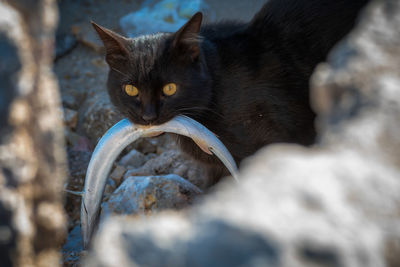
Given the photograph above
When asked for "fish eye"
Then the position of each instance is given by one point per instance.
(169, 89)
(131, 90)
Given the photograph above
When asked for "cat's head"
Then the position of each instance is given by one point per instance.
(153, 78)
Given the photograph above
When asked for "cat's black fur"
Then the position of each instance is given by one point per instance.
(246, 82)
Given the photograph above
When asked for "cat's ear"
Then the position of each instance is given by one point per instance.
(116, 45)
(187, 39)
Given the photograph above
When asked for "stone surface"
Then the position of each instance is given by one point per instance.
(147, 194)
(335, 204)
(175, 162)
(78, 142)
(117, 174)
(32, 158)
(133, 159)
(73, 247)
(99, 116)
(9, 66)
(72, 99)
(110, 187)
(146, 145)
(70, 118)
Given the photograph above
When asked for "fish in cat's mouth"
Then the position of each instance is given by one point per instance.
(151, 122)
(119, 137)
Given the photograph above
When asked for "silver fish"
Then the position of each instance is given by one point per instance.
(120, 136)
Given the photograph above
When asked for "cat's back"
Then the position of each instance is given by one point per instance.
(221, 30)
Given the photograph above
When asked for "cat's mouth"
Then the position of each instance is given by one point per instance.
(140, 121)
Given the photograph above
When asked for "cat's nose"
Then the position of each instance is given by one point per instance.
(149, 117)
(149, 114)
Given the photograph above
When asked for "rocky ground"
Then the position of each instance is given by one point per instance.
(88, 113)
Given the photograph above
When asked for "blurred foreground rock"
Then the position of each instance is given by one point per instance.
(336, 204)
(32, 159)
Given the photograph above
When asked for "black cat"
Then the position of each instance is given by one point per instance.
(246, 82)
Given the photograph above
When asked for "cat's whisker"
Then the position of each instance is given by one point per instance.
(193, 109)
(120, 72)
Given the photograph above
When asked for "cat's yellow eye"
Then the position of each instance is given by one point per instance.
(131, 90)
(169, 89)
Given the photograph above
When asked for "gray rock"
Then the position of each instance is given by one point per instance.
(154, 145)
(73, 247)
(70, 118)
(133, 159)
(148, 194)
(77, 142)
(117, 174)
(146, 145)
(335, 204)
(72, 99)
(111, 185)
(172, 161)
(99, 115)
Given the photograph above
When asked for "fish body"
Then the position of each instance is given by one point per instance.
(119, 137)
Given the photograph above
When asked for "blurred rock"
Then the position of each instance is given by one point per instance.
(336, 204)
(162, 16)
(133, 159)
(70, 118)
(85, 34)
(9, 66)
(172, 162)
(148, 194)
(32, 156)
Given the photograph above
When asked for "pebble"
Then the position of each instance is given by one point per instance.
(70, 118)
(133, 159)
(73, 99)
(117, 174)
(78, 142)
